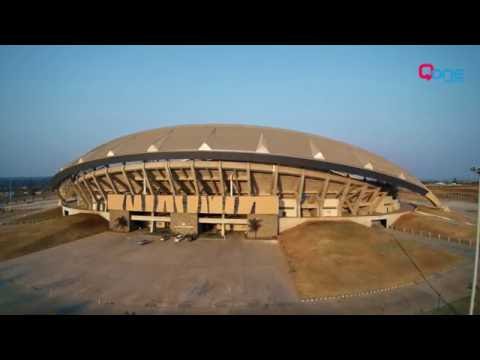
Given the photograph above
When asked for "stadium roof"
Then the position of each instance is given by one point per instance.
(244, 143)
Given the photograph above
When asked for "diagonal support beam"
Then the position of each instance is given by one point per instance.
(373, 198)
(220, 175)
(345, 191)
(356, 205)
(90, 191)
(377, 201)
(99, 187)
(321, 201)
(110, 181)
(159, 183)
(79, 190)
(194, 176)
(127, 180)
(170, 178)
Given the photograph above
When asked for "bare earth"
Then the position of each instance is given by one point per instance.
(336, 258)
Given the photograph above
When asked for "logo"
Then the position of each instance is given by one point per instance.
(430, 72)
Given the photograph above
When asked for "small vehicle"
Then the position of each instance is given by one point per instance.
(189, 237)
(164, 237)
(143, 242)
(179, 237)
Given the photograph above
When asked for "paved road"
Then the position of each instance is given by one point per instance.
(110, 273)
(112, 269)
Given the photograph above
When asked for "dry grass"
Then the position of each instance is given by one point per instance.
(335, 258)
(436, 226)
(21, 239)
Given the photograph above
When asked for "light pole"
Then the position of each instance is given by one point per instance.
(476, 170)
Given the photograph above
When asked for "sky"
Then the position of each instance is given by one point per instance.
(58, 102)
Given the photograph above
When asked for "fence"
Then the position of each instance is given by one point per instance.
(473, 197)
(430, 235)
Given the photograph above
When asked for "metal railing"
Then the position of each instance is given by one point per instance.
(430, 235)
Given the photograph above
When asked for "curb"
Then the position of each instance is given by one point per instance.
(359, 294)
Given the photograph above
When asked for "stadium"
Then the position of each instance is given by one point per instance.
(194, 178)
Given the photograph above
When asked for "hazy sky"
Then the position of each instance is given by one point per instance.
(58, 102)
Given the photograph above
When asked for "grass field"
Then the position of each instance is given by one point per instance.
(336, 258)
(21, 239)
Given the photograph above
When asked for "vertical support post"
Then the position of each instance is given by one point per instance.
(274, 179)
(475, 267)
(301, 185)
(220, 175)
(321, 202)
(249, 179)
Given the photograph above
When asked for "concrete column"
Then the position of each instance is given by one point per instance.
(120, 221)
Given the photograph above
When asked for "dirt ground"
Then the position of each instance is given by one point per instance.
(24, 238)
(336, 258)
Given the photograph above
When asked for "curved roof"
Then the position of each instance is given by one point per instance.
(246, 143)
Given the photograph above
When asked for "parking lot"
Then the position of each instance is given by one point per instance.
(112, 273)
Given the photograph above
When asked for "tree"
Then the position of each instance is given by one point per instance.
(121, 222)
(253, 225)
